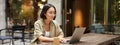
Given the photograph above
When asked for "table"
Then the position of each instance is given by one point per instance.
(98, 39)
(92, 39)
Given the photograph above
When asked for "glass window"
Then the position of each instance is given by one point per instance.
(99, 11)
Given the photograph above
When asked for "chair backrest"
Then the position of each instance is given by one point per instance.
(110, 28)
(18, 28)
(92, 29)
(14, 28)
(2, 32)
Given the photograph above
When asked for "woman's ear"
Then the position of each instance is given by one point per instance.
(44, 14)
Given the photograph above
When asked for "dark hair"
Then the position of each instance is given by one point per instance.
(44, 10)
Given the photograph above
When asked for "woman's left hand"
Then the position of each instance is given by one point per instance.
(62, 40)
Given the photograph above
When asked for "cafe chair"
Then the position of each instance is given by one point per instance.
(31, 32)
(2, 38)
(21, 30)
(92, 29)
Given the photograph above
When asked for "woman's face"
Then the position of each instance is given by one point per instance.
(50, 14)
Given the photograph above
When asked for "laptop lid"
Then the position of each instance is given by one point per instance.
(77, 35)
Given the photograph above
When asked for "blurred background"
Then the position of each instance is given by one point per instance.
(103, 15)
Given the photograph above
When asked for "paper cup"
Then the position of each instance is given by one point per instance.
(56, 41)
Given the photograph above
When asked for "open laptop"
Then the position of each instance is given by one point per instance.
(76, 36)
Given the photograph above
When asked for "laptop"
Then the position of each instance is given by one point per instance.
(76, 36)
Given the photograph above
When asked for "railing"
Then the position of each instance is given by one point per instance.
(111, 29)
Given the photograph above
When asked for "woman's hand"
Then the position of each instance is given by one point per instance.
(62, 40)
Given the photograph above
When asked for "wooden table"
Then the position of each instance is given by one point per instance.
(98, 39)
(93, 39)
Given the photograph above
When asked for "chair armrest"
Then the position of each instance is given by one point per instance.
(2, 29)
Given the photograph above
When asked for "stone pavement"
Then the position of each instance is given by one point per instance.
(17, 42)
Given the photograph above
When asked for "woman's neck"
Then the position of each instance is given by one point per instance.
(47, 22)
(47, 25)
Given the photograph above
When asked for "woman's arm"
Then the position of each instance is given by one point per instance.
(61, 36)
(62, 39)
(45, 39)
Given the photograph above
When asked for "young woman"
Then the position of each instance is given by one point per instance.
(46, 28)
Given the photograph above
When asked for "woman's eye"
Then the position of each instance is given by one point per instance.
(51, 12)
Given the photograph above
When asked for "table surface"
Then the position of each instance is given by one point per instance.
(92, 39)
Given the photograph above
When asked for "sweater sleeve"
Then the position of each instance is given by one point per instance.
(38, 31)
